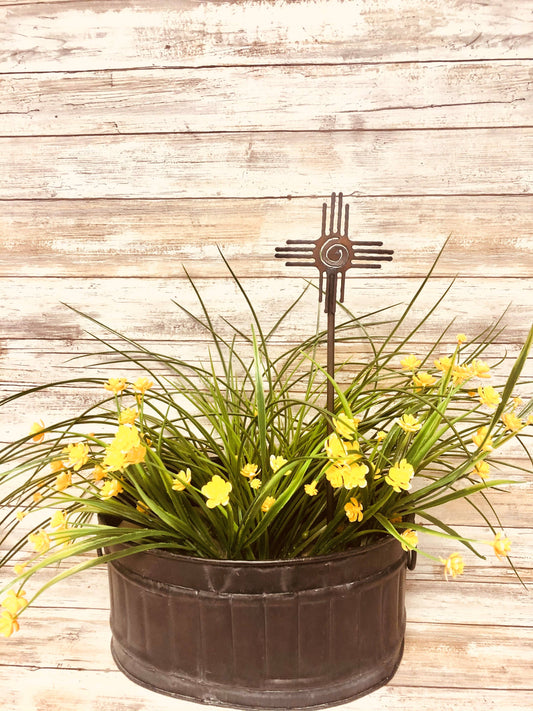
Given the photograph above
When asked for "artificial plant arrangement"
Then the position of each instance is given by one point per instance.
(232, 458)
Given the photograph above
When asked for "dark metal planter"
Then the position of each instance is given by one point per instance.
(285, 634)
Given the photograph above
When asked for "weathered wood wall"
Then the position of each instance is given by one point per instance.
(138, 135)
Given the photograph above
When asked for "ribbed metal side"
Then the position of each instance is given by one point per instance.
(315, 646)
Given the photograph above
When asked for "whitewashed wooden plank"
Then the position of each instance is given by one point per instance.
(330, 97)
(490, 236)
(448, 162)
(144, 309)
(157, 33)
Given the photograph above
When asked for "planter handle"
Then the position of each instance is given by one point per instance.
(411, 559)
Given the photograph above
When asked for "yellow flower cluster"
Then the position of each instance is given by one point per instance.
(344, 468)
(124, 449)
(12, 605)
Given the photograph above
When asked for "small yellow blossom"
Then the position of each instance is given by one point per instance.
(346, 426)
(249, 470)
(99, 473)
(334, 475)
(114, 460)
(517, 402)
(453, 565)
(267, 503)
(354, 475)
(58, 520)
(444, 363)
(478, 438)
(396, 519)
(37, 431)
(8, 624)
(125, 438)
(142, 384)
(529, 420)
(127, 416)
(381, 435)
(115, 385)
(409, 423)
(310, 489)
(181, 481)
(410, 539)
(354, 510)
(136, 455)
(37, 497)
(482, 469)
(277, 462)
(216, 492)
(78, 455)
(142, 507)
(461, 338)
(18, 568)
(512, 422)
(335, 447)
(40, 541)
(480, 369)
(410, 362)
(423, 380)
(21, 514)
(63, 481)
(111, 488)
(501, 545)
(400, 475)
(14, 602)
(56, 466)
(488, 396)
(255, 483)
(461, 373)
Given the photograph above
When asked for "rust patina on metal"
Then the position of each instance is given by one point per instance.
(333, 254)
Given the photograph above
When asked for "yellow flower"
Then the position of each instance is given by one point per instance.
(267, 503)
(249, 470)
(310, 489)
(181, 481)
(423, 380)
(8, 624)
(482, 469)
(346, 426)
(512, 422)
(410, 539)
(21, 514)
(115, 385)
(354, 510)
(58, 520)
(99, 473)
(63, 481)
(14, 602)
(529, 420)
(114, 460)
(480, 369)
(18, 568)
(488, 396)
(142, 507)
(400, 475)
(125, 439)
(517, 402)
(127, 416)
(410, 362)
(56, 466)
(277, 462)
(443, 364)
(111, 488)
(409, 423)
(501, 545)
(461, 373)
(142, 384)
(335, 447)
(40, 541)
(37, 497)
(255, 483)
(136, 455)
(354, 475)
(334, 475)
(37, 431)
(478, 438)
(216, 492)
(381, 435)
(461, 338)
(453, 565)
(78, 455)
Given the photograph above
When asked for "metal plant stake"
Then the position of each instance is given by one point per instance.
(333, 253)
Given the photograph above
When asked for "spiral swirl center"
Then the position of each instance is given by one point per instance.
(334, 254)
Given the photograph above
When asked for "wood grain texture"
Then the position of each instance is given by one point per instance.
(489, 236)
(161, 33)
(487, 161)
(316, 97)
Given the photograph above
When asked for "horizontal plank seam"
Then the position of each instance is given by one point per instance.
(255, 65)
(356, 194)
